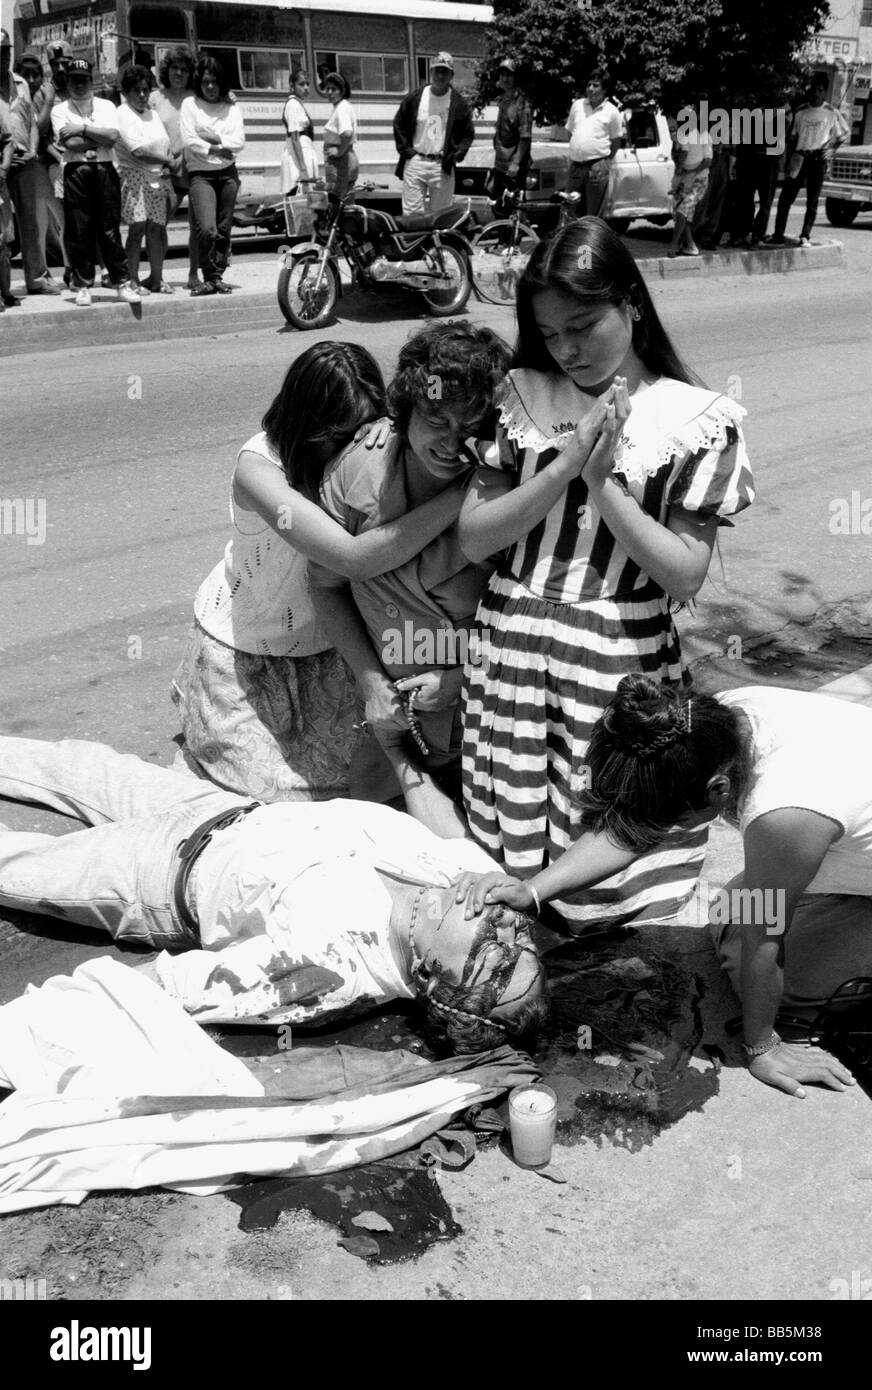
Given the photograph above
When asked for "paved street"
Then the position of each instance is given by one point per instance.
(126, 454)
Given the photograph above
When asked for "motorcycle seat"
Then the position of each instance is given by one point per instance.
(425, 221)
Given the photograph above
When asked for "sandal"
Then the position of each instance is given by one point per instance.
(208, 288)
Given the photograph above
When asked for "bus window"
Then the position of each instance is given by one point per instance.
(268, 69)
(158, 22)
(366, 72)
(256, 26)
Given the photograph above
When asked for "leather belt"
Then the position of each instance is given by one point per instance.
(429, 156)
(188, 852)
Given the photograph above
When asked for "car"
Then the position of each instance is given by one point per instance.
(847, 188)
(641, 178)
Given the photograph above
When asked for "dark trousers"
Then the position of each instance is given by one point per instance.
(212, 196)
(756, 177)
(24, 185)
(591, 180)
(92, 212)
(811, 174)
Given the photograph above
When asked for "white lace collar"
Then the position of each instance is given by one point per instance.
(539, 411)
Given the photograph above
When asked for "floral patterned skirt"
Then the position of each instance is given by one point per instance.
(144, 198)
(278, 728)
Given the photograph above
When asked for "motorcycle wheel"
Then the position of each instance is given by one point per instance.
(500, 254)
(301, 303)
(451, 261)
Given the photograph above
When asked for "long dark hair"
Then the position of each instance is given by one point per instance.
(588, 261)
(651, 755)
(327, 394)
(213, 66)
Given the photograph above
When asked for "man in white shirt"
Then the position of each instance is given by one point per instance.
(433, 130)
(596, 131)
(295, 911)
(818, 129)
(85, 129)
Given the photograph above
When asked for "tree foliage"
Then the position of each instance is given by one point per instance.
(663, 52)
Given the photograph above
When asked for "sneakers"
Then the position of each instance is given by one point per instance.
(127, 294)
(776, 239)
(83, 297)
(45, 285)
(805, 241)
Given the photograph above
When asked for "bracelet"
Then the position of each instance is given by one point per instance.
(762, 1048)
(536, 900)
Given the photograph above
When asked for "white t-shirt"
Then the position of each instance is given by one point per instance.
(813, 752)
(813, 126)
(697, 148)
(146, 132)
(167, 103)
(293, 915)
(341, 121)
(591, 132)
(430, 122)
(95, 111)
(199, 118)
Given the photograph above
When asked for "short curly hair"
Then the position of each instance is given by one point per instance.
(452, 361)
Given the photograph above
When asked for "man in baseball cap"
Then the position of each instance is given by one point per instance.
(433, 130)
(513, 133)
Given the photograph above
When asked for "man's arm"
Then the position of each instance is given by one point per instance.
(462, 136)
(343, 625)
(784, 850)
(402, 141)
(424, 800)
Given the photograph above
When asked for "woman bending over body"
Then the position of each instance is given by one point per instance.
(268, 708)
(793, 770)
(596, 543)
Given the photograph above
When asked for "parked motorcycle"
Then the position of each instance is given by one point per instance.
(428, 255)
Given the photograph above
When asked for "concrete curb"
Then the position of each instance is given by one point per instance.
(768, 260)
(108, 323)
(48, 326)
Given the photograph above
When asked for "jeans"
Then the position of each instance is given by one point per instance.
(212, 196)
(119, 875)
(812, 175)
(92, 212)
(591, 180)
(26, 184)
(426, 186)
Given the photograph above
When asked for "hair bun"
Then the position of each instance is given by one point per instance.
(644, 717)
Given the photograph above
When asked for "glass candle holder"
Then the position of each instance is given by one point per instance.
(532, 1124)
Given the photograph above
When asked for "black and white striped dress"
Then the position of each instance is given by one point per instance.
(568, 613)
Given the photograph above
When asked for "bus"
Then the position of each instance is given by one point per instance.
(382, 49)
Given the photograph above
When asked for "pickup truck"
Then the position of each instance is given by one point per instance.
(848, 184)
(641, 172)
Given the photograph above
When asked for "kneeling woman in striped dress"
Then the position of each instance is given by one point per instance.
(609, 475)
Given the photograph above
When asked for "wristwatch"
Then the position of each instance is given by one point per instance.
(762, 1048)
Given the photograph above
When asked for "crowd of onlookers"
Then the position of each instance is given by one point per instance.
(76, 165)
